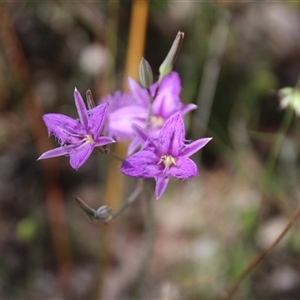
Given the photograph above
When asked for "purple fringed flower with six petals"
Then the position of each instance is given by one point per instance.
(134, 106)
(78, 138)
(165, 156)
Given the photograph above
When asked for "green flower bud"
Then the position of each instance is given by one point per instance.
(167, 65)
(146, 75)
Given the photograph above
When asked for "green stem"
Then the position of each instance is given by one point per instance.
(105, 213)
(131, 198)
(106, 150)
(271, 160)
(116, 156)
(149, 114)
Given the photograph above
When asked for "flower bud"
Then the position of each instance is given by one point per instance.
(90, 100)
(146, 75)
(104, 213)
(167, 65)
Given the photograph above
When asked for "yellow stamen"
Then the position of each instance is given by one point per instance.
(157, 121)
(88, 139)
(168, 161)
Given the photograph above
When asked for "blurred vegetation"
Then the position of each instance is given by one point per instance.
(206, 231)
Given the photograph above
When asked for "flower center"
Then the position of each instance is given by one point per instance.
(157, 121)
(167, 161)
(88, 139)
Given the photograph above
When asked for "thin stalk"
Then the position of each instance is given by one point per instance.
(105, 213)
(211, 73)
(114, 155)
(254, 263)
(105, 150)
(149, 113)
(151, 99)
(270, 162)
(131, 198)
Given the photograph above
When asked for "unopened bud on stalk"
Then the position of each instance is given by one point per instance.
(167, 65)
(90, 100)
(104, 213)
(146, 75)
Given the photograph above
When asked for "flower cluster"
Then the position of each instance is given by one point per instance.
(149, 116)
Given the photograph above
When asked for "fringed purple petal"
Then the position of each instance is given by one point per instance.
(142, 139)
(143, 164)
(165, 105)
(171, 136)
(97, 118)
(167, 101)
(140, 132)
(172, 83)
(80, 155)
(187, 108)
(133, 146)
(64, 150)
(185, 168)
(140, 93)
(81, 109)
(193, 147)
(119, 122)
(161, 185)
(66, 129)
(104, 140)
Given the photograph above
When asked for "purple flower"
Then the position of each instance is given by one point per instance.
(165, 156)
(123, 108)
(78, 138)
(166, 103)
(134, 106)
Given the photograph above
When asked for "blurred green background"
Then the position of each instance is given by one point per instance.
(234, 58)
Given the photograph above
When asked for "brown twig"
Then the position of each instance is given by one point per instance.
(254, 263)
